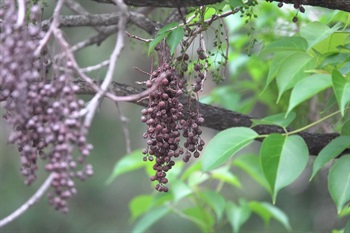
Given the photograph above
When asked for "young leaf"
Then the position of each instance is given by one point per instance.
(203, 219)
(224, 174)
(315, 32)
(161, 34)
(175, 38)
(251, 165)
(150, 218)
(308, 87)
(277, 119)
(329, 152)
(339, 181)
(237, 215)
(224, 145)
(215, 201)
(292, 71)
(282, 158)
(341, 89)
(139, 205)
(266, 211)
(295, 43)
(126, 164)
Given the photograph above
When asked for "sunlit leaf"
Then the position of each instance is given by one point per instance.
(329, 152)
(292, 71)
(224, 174)
(150, 218)
(224, 145)
(315, 32)
(339, 181)
(126, 164)
(174, 38)
(283, 158)
(294, 43)
(308, 87)
(139, 205)
(237, 215)
(341, 89)
(277, 119)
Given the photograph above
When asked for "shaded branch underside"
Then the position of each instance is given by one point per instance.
(343, 5)
(221, 119)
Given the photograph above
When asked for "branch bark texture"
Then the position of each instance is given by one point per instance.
(343, 5)
(220, 119)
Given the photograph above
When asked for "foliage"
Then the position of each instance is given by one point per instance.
(285, 71)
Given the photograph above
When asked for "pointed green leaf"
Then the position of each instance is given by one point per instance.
(277, 119)
(215, 201)
(292, 71)
(282, 158)
(224, 174)
(167, 28)
(236, 3)
(139, 205)
(203, 219)
(175, 38)
(179, 189)
(224, 145)
(315, 32)
(126, 164)
(275, 65)
(161, 34)
(150, 218)
(294, 43)
(307, 88)
(341, 89)
(267, 211)
(250, 164)
(345, 129)
(329, 152)
(237, 215)
(339, 181)
(197, 178)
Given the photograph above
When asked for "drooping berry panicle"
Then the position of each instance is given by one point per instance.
(166, 119)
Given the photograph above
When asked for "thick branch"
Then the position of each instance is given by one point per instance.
(343, 5)
(220, 119)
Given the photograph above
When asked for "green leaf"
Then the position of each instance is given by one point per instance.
(277, 119)
(315, 32)
(201, 218)
(139, 205)
(250, 164)
(339, 181)
(341, 89)
(267, 211)
(215, 201)
(150, 218)
(329, 152)
(179, 189)
(237, 215)
(175, 38)
(347, 227)
(224, 174)
(197, 178)
(283, 158)
(345, 129)
(224, 145)
(278, 59)
(161, 34)
(236, 3)
(126, 164)
(292, 71)
(294, 43)
(308, 87)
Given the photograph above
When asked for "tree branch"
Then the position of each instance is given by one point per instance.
(343, 5)
(221, 119)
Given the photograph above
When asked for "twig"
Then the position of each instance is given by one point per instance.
(39, 193)
(95, 67)
(21, 12)
(93, 104)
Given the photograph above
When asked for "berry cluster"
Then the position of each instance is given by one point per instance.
(43, 112)
(297, 5)
(165, 119)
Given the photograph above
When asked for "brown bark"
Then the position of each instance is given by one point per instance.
(221, 119)
(343, 5)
